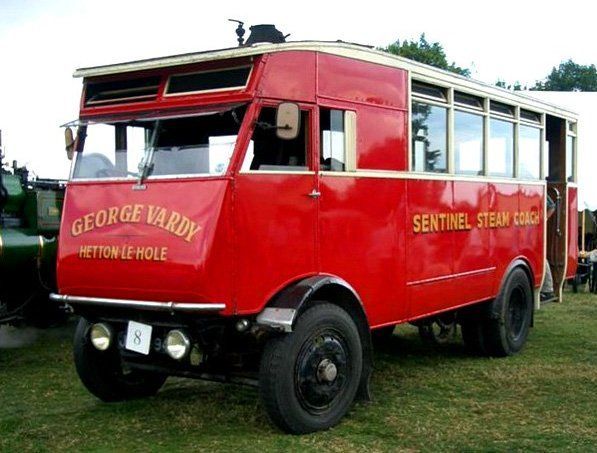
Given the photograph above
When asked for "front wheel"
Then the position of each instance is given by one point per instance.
(103, 374)
(309, 378)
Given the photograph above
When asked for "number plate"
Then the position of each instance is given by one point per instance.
(138, 337)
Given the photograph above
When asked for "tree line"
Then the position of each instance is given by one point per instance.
(568, 76)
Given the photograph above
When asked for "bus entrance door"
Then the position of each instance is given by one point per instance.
(561, 238)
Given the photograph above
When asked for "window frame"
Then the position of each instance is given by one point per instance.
(571, 133)
(311, 139)
(487, 113)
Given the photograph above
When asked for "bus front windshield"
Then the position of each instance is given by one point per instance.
(199, 144)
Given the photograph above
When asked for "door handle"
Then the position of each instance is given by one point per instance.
(314, 194)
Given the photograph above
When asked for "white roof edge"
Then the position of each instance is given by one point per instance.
(359, 52)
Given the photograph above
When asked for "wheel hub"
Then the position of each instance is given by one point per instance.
(321, 371)
(327, 371)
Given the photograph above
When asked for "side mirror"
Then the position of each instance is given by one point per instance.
(69, 143)
(288, 121)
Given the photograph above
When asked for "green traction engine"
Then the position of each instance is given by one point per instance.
(29, 223)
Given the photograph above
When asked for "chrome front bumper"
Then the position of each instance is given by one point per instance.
(169, 307)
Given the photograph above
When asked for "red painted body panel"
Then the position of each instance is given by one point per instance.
(275, 225)
(361, 240)
(261, 232)
(572, 232)
(359, 82)
(289, 76)
(199, 270)
(453, 268)
(530, 239)
(381, 139)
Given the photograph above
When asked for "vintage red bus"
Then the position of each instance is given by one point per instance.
(259, 214)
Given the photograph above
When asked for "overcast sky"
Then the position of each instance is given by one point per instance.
(43, 41)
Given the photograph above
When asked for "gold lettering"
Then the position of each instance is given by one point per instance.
(114, 253)
(416, 223)
(173, 221)
(163, 252)
(101, 218)
(76, 228)
(151, 214)
(433, 226)
(425, 223)
(88, 222)
(136, 217)
(148, 253)
(125, 213)
(442, 221)
(139, 254)
(193, 229)
(112, 215)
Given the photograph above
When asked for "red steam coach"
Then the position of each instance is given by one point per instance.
(258, 214)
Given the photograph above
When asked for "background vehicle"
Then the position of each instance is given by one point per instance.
(29, 221)
(253, 214)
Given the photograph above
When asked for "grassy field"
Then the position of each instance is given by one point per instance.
(426, 399)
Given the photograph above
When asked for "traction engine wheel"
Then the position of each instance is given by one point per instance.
(309, 378)
(102, 373)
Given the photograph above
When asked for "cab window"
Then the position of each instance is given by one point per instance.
(331, 125)
(267, 152)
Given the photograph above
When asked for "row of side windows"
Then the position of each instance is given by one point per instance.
(430, 137)
(430, 144)
(483, 143)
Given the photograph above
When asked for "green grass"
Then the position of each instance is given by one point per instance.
(426, 399)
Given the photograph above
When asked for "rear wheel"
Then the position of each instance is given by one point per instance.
(103, 374)
(508, 318)
(309, 378)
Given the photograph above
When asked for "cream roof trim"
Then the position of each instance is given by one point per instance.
(417, 70)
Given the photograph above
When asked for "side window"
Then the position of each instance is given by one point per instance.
(468, 143)
(333, 153)
(429, 137)
(266, 152)
(570, 157)
(529, 152)
(501, 148)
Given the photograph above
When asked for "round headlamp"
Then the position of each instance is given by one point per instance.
(100, 336)
(177, 345)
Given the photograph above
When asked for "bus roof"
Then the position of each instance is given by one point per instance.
(418, 70)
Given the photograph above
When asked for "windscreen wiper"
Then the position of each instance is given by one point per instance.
(146, 164)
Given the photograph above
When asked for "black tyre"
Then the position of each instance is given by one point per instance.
(309, 378)
(508, 317)
(102, 372)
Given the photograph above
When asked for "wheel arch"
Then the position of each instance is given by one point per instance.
(282, 311)
(524, 264)
(517, 263)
